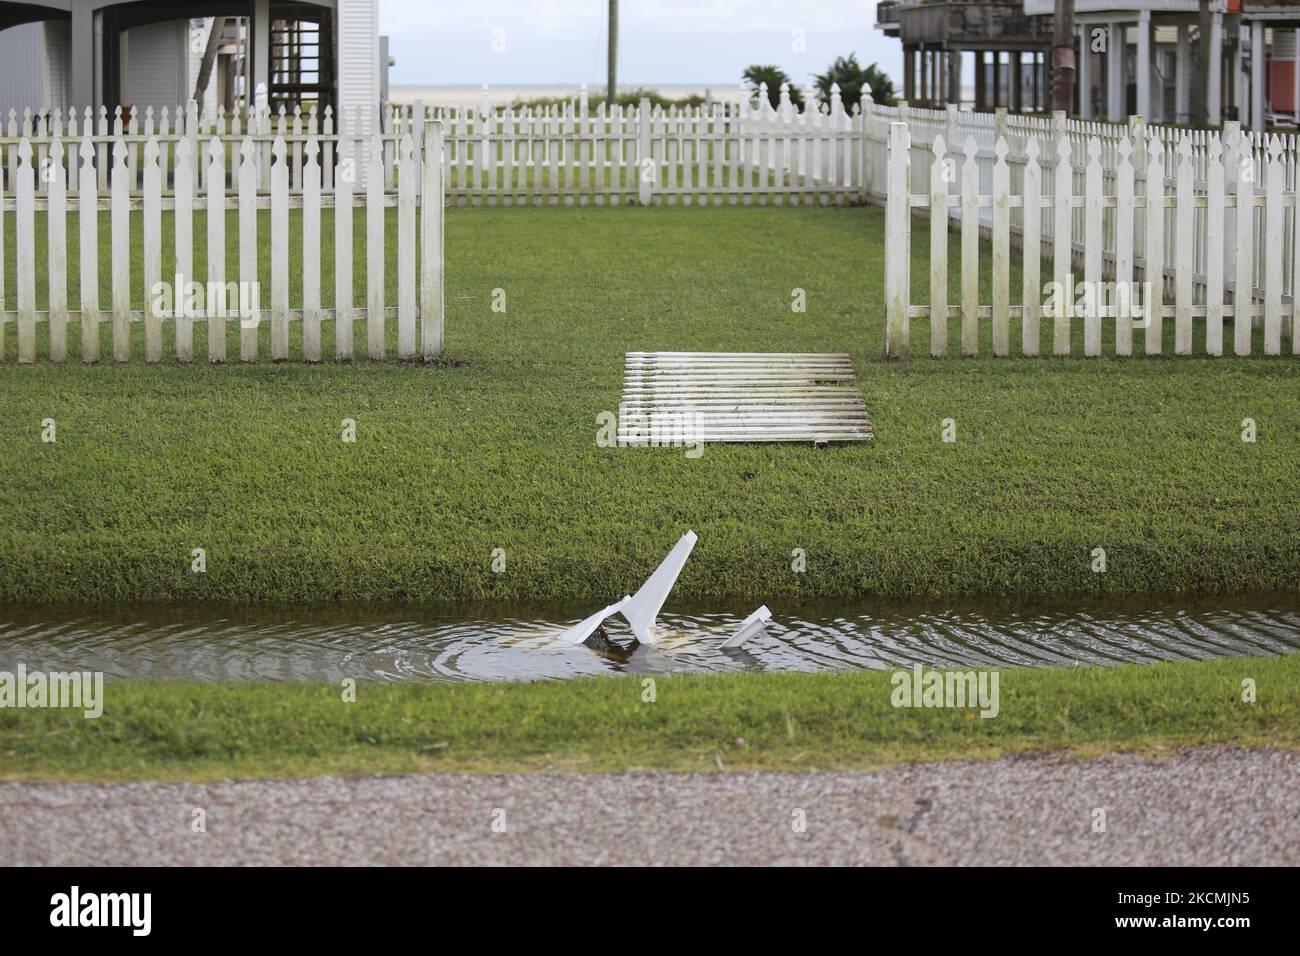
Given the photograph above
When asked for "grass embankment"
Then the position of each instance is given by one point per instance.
(496, 448)
(786, 721)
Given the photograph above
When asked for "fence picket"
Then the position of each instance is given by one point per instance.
(1272, 249)
(1124, 300)
(1031, 299)
(375, 251)
(1092, 250)
(1153, 251)
(216, 222)
(343, 294)
(280, 247)
(898, 248)
(250, 318)
(311, 193)
(1184, 237)
(1001, 258)
(120, 252)
(184, 194)
(25, 238)
(88, 250)
(939, 177)
(431, 223)
(57, 238)
(152, 178)
(1063, 301)
(1242, 295)
(970, 224)
(406, 289)
(1214, 248)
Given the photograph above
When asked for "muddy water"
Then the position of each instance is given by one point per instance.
(498, 642)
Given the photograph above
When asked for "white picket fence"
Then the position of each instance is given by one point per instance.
(130, 179)
(955, 127)
(169, 127)
(724, 153)
(1200, 259)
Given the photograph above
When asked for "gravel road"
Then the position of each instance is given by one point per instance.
(1212, 806)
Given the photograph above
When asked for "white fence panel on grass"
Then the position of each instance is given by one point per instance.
(1154, 234)
(45, 181)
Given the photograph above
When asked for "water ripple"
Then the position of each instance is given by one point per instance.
(496, 644)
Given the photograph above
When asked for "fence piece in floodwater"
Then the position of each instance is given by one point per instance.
(586, 627)
(749, 627)
(641, 609)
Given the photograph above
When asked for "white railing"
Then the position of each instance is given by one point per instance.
(1240, 220)
(64, 175)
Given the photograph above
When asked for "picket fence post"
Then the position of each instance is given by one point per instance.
(646, 171)
(898, 241)
(431, 254)
(25, 234)
(152, 180)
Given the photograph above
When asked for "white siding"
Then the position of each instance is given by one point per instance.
(155, 72)
(22, 67)
(58, 63)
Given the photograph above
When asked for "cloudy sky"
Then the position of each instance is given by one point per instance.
(660, 41)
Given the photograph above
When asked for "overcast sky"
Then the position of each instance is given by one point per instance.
(660, 41)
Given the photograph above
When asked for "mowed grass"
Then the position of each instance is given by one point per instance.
(755, 721)
(495, 447)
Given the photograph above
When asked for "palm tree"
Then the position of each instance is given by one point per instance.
(773, 76)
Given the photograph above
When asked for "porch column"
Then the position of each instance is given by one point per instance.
(1182, 75)
(909, 73)
(1240, 92)
(954, 77)
(1017, 83)
(997, 79)
(1085, 76)
(261, 47)
(979, 80)
(1035, 72)
(1257, 75)
(1144, 64)
(1115, 48)
(1214, 92)
(83, 58)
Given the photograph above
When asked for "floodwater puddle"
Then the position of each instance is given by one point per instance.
(512, 642)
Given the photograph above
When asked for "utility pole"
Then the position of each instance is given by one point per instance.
(1063, 65)
(611, 83)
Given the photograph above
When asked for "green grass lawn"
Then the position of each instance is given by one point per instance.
(495, 447)
(755, 721)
